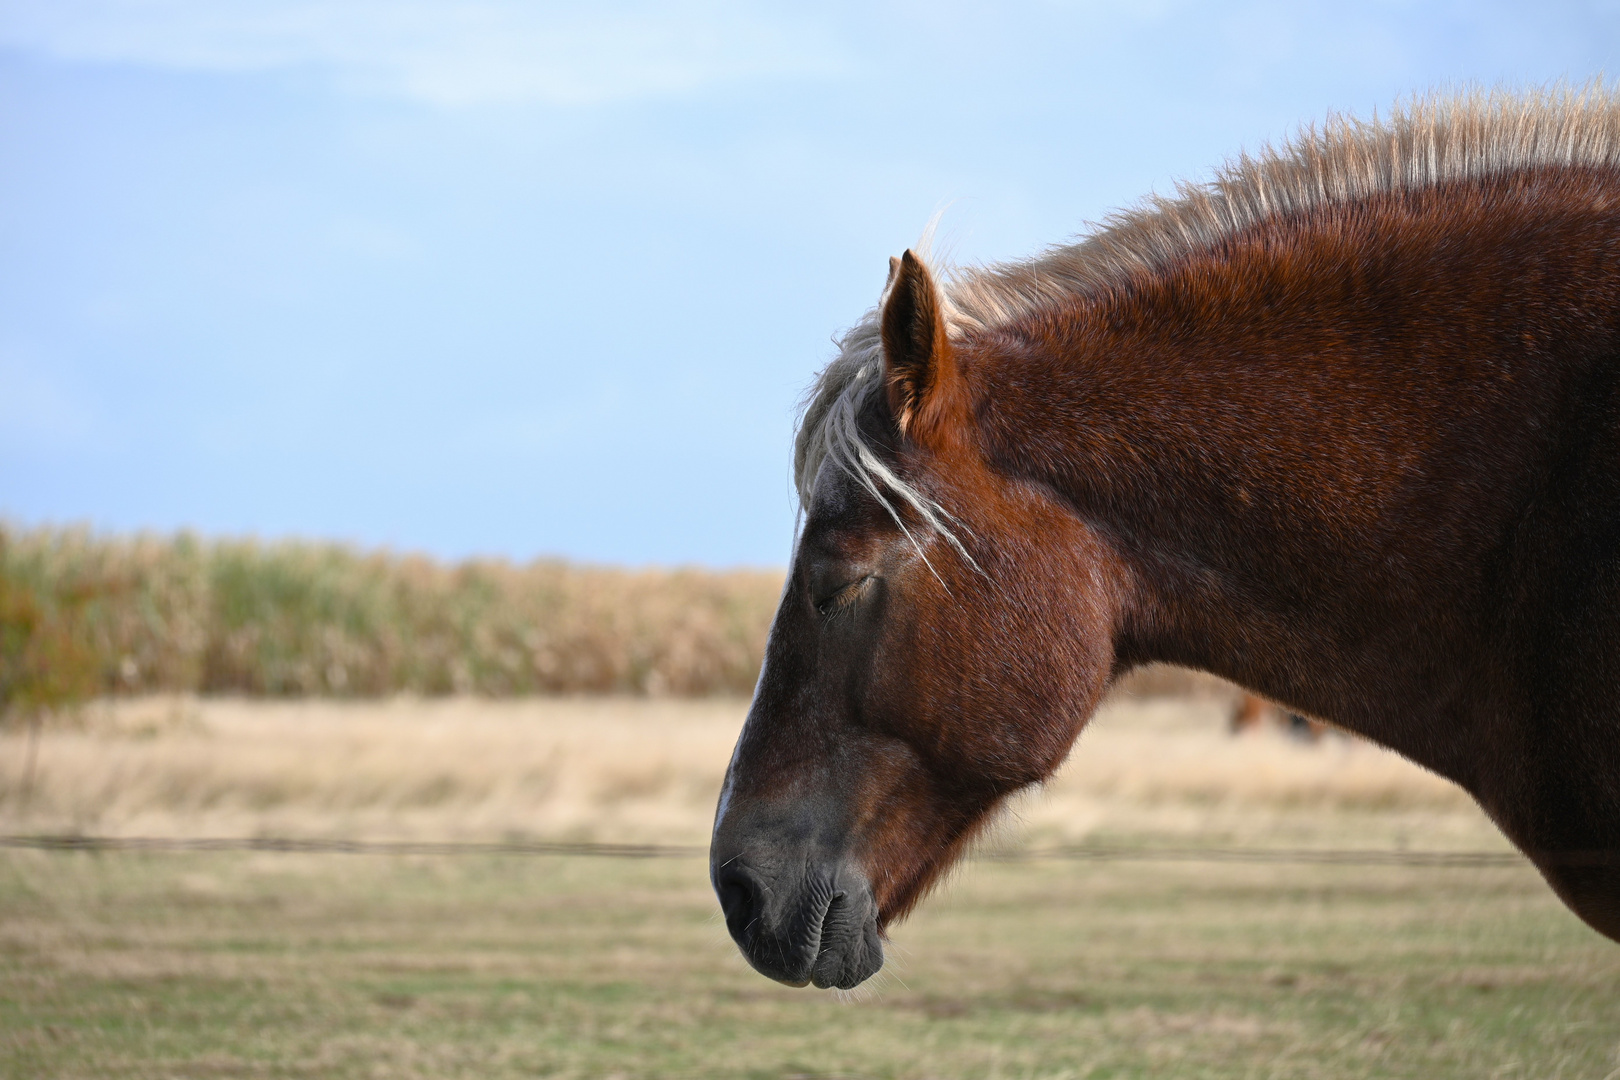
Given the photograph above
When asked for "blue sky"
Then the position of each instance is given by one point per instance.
(548, 279)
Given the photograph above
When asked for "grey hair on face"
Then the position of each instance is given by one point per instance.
(830, 432)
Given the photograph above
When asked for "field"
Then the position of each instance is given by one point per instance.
(228, 964)
(1148, 769)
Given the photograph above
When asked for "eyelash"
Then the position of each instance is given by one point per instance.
(844, 598)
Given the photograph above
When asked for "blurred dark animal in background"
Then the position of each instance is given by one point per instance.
(1252, 713)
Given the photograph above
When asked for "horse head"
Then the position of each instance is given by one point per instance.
(944, 633)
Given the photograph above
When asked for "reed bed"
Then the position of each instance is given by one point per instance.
(83, 615)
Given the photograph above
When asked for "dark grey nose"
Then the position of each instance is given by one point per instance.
(740, 893)
(817, 926)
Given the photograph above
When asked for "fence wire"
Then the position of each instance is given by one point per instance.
(1074, 852)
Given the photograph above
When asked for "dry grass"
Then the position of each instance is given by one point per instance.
(1162, 766)
(640, 770)
(579, 768)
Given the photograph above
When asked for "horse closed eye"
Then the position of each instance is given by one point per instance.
(845, 596)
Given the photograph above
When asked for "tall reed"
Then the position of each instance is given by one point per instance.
(82, 613)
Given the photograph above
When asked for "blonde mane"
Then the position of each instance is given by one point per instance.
(1427, 141)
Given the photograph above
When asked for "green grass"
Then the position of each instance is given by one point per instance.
(231, 965)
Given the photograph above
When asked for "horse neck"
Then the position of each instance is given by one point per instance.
(1312, 476)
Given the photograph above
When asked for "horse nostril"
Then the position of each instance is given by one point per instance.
(739, 899)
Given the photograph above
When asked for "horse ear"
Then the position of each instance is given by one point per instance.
(916, 353)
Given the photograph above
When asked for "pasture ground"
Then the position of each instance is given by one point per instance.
(235, 964)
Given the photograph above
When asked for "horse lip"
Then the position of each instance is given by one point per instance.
(821, 929)
(814, 949)
(849, 943)
(834, 954)
(822, 944)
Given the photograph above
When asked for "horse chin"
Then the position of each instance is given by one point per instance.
(851, 949)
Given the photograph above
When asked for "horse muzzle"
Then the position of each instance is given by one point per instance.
(813, 923)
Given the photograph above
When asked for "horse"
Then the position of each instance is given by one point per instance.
(1340, 425)
(1252, 713)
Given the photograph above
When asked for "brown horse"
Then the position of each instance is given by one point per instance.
(1252, 713)
(1342, 426)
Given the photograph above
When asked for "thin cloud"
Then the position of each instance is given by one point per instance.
(440, 53)
(37, 411)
